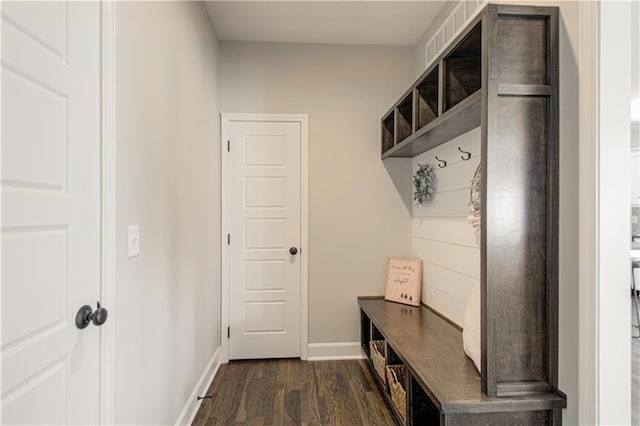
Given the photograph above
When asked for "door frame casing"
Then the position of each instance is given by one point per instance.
(225, 120)
(604, 244)
(106, 407)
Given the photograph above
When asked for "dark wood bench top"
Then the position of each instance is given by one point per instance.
(431, 348)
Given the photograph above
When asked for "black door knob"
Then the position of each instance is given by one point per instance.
(100, 315)
(293, 251)
(86, 315)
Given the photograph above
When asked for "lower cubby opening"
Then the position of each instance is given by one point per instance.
(375, 333)
(365, 335)
(378, 357)
(392, 356)
(397, 381)
(422, 411)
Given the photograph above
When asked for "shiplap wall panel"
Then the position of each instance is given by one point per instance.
(455, 176)
(451, 230)
(448, 306)
(453, 283)
(446, 204)
(451, 183)
(465, 260)
(441, 236)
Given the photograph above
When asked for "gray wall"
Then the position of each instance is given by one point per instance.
(569, 102)
(167, 315)
(357, 216)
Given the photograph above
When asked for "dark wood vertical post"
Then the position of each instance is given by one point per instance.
(520, 200)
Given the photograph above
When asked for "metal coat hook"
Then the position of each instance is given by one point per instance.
(443, 163)
(468, 154)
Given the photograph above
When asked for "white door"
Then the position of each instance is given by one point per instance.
(50, 210)
(264, 225)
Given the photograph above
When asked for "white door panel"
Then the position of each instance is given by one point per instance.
(264, 176)
(50, 210)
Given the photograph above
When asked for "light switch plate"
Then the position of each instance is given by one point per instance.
(133, 241)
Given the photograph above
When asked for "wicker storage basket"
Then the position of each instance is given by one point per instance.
(396, 379)
(377, 350)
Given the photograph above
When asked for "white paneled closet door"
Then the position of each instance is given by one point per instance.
(50, 211)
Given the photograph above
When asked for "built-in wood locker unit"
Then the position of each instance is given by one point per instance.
(500, 73)
(519, 253)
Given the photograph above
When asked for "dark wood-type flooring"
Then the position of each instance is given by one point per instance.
(294, 392)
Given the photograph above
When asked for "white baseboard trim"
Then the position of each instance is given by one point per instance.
(190, 409)
(331, 351)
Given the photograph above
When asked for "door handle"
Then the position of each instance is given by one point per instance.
(87, 315)
(293, 251)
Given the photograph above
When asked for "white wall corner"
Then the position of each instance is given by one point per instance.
(334, 351)
(192, 405)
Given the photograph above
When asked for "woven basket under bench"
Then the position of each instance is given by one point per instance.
(396, 377)
(378, 352)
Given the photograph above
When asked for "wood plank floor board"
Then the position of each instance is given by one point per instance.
(311, 406)
(294, 392)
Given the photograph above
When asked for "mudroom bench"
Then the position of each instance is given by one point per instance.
(441, 385)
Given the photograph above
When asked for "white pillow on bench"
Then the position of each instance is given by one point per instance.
(471, 328)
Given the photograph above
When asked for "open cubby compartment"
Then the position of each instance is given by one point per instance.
(375, 333)
(405, 117)
(463, 69)
(365, 336)
(378, 357)
(427, 99)
(397, 379)
(392, 356)
(422, 411)
(388, 124)
(378, 352)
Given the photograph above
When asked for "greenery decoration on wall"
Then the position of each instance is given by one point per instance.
(423, 184)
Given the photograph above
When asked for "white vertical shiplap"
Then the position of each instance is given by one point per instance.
(441, 236)
(451, 183)
(451, 26)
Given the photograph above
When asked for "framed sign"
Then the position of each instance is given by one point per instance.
(404, 280)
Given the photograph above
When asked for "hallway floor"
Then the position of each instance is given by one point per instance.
(275, 392)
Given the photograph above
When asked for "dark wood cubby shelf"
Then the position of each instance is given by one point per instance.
(404, 119)
(443, 386)
(500, 73)
(462, 68)
(427, 99)
(455, 122)
(444, 107)
(388, 132)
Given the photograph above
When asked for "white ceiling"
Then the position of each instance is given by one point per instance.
(327, 22)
